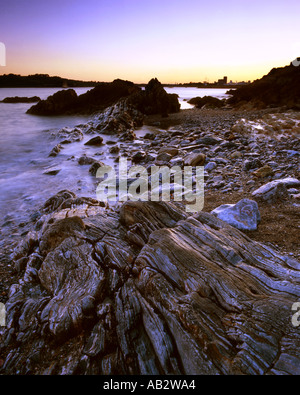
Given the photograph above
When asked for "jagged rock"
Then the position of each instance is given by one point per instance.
(85, 160)
(54, 202)
(98, 140)
(56, 150)
(208, 140)
(67, 102)
(52, 171)
(95, 166)
(115, 149)
(149, 291)
(244, 215)
(119, 118)
(275, 190)
(155, 100)
(69, 135)
(66, 199)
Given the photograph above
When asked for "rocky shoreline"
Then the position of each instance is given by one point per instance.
(146, 288)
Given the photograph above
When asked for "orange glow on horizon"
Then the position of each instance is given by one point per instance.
(174, 41)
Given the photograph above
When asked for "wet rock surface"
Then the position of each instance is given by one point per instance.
(148, 290)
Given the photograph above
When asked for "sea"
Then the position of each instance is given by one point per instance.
(26, 141)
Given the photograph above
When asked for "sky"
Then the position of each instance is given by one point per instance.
(174, 41)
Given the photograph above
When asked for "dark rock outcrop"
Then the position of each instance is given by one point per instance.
(18, 99)
(61, 102)
(281, 87)
(207, 102)
(155, 100)
(148, 291)
(97, 99)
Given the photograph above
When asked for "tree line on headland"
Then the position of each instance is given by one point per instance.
(41, 81)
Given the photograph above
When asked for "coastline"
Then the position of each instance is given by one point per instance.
(125, 256)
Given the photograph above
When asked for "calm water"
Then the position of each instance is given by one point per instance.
(26, 141)
(186, 94)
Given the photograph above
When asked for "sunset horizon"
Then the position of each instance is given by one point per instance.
(177, 42)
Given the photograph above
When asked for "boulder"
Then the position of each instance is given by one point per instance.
(138, 157)
(85, 160)
(275, 190)
(95, 166)
(208, 140)
(56, 150)
(155, 100)
(195, 159)
(210, 166)
(263, 172)
(52, 171)
(251, 164)
(98, 140)
(207, 101)
(244, 215)
(69, 135)
(115, 149)
(163, 157)
(173, 151)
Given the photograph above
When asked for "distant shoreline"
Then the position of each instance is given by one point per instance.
(46, 81)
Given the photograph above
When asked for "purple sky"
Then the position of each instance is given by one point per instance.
(176, 41)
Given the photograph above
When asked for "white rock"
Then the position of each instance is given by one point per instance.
(269, 190)
(244, 215)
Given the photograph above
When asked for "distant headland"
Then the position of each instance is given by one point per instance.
(41, 81)
(47, 81)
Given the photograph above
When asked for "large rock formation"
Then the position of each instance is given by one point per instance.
(155, 100)
(207, 102)
(148, 290)
(97, 99)
(17, 99)
(281, 87)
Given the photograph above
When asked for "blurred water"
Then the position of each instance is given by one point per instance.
(26, 141)
(186, 94)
